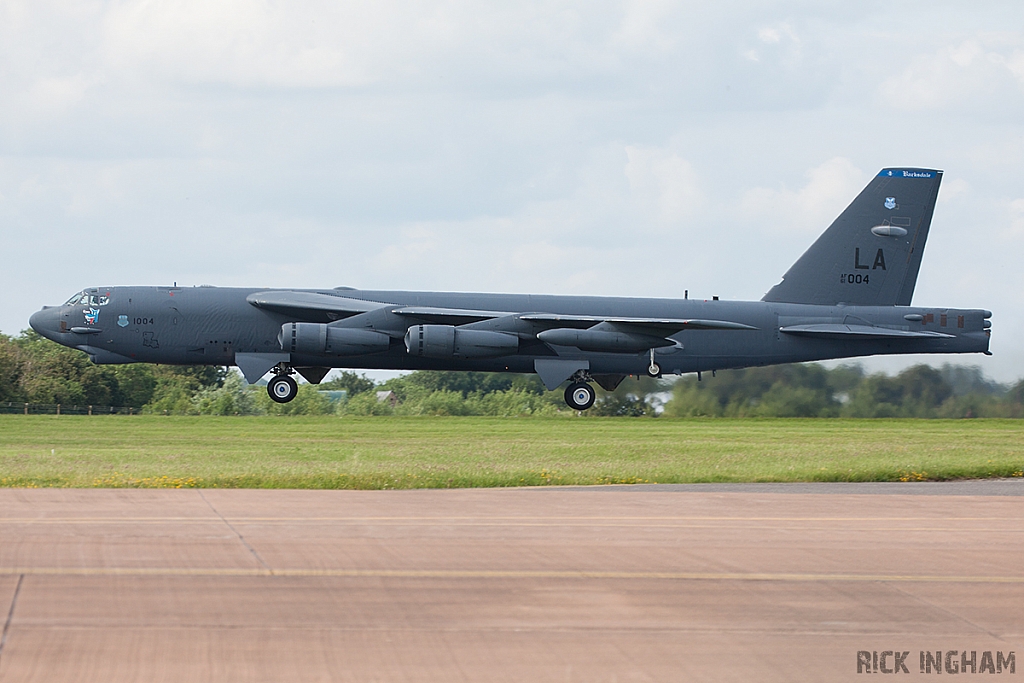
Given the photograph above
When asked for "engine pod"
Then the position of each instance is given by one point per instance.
(318, 339)
(448, 341)
(609, 341)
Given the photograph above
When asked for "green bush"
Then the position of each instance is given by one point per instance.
(365, 404)
(36, 370)
(234, 397)
(308, 401)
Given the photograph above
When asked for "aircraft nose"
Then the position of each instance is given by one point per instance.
(45, 321)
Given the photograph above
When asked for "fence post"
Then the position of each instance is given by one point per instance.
(58, 410)
(26, 409)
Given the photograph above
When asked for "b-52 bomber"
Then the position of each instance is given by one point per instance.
(848, 295)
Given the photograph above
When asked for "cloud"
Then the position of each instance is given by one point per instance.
(964, 76)
(809, 210)
(663, 186)
(1016, 228)
(644, 27)
(953, 190)
(243, 43)
(632, 147)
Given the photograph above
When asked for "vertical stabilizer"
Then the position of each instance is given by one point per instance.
(871, 254)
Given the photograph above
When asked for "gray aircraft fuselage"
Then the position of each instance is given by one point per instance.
(847, 296)
(209, 325)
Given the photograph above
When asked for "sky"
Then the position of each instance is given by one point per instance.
(611, 148)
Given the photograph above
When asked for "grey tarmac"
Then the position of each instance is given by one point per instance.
(960, 487)
(748, 582)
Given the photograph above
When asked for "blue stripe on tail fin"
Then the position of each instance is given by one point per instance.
(871, 254)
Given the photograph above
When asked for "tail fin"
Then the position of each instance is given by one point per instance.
(871, 254)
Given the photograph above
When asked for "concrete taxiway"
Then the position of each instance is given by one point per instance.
(726, 583)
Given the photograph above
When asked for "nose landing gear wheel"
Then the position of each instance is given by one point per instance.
(580, 396)
(282, 388)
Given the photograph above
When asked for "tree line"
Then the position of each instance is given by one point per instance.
(812, 390)
(36, 370)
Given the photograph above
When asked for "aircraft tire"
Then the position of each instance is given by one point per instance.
(282, 388)
(580, 395)
(654, 370)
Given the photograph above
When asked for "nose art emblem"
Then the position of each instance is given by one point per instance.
(122, 321)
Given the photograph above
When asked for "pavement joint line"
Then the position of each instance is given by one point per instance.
(235, 532)
(10, 612)
(762, 527)
(504, 574)
(319, 628)
(473, 519)
(947, 612)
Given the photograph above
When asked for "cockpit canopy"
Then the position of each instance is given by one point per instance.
(88, 298)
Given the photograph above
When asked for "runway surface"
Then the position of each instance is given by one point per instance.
(714, 583)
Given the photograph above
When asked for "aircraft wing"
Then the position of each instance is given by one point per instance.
(835, 331)
(663, 325)
(667, 325)
(449, 316)
(312, 306)
(320, 307)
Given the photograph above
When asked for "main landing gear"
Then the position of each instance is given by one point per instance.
(579, 395)
(281, 387)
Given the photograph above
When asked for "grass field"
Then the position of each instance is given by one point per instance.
(378, 453)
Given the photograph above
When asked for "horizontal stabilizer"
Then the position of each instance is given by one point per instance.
(859, 332)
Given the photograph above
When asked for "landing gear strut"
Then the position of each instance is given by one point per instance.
(654, 370)
(281, 387)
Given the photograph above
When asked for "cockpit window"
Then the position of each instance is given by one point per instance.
(87, 299)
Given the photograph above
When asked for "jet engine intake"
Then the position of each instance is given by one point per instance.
(603, 340)
(318, 339)
(447, 341)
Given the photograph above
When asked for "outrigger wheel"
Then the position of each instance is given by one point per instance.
(580, 395)
(654, 370)
(282, 388)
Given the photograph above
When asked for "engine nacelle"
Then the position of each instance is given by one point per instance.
(317, 339)
(447, 341)
(603, 340)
